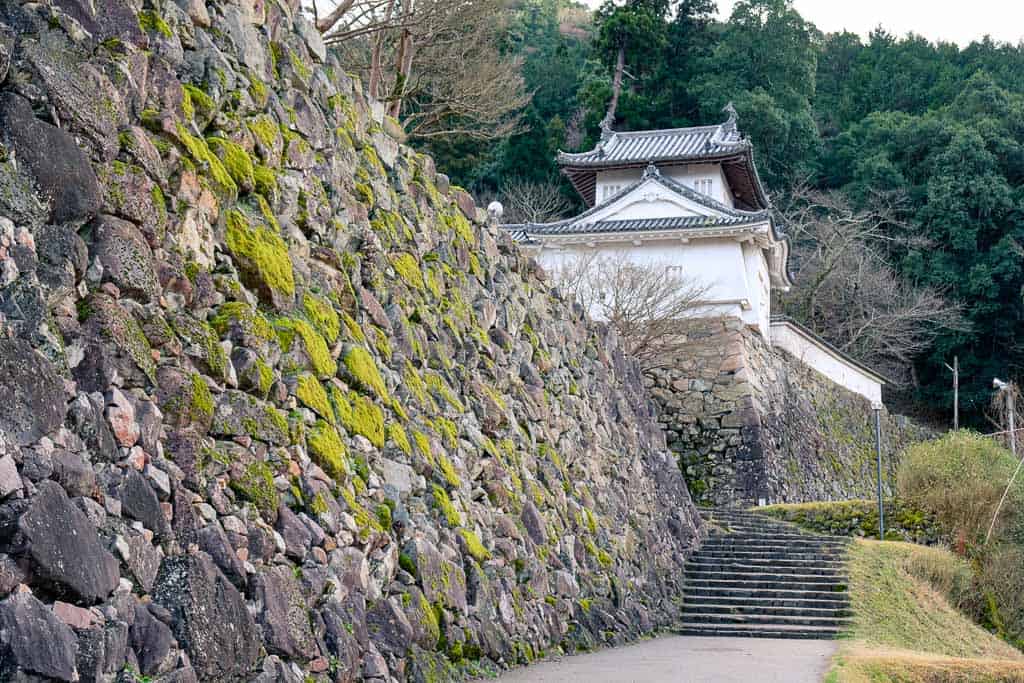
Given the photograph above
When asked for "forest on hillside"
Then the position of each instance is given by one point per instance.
(896, 163)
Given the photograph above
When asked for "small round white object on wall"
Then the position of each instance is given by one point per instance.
(495, 210)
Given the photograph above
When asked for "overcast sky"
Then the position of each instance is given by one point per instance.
(960, 21)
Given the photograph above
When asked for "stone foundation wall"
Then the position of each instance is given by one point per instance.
(749, 422)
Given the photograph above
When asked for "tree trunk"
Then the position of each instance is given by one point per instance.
(620, 67)
(403, 67)
(378, 47)
(325, 24)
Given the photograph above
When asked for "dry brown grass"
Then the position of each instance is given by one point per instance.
(905, 630)
(861, 664)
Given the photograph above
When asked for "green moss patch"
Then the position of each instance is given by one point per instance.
(327, 450)
(443, 503)
(256, 484)
(363, 369)
(312, 394)
(262, 254)
(236, 161)
(359, 415)
(205, 159)
(323, 316)
(473, 546)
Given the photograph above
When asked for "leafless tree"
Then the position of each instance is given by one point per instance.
(527, 201)
(436, 64)
(647, 304)
(848, 292)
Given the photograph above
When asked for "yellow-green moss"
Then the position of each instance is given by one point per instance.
(444, 504)
(447, 429)
(152, 22)
(327, 450)
(264, 250)
(204, 158)
(454, 220)
(365, 522)
(381, 343)
(265, 180)
(474, 546)
(474, 265)
(265, 376)
(236, 160)
(256, 484)
(364, 193)
(250, 320)
(353, 328)
(258, 90)
(359, 415)
(312, 394)
(408, 269)
(397, 434)
(196, 98)
(363, 369)
(315, 347)
(417, 387)
(265, 130)
(323, 316)
(448, 470)
(438, 386)
(423, 443)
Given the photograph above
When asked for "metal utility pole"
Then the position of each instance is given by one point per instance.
(1009, 389)
(956, 391)
(878, 450)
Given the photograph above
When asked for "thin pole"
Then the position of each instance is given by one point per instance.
(956, 392)
(1013, 430)
(878, 450)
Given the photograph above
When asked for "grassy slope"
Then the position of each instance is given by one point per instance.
(904, 630)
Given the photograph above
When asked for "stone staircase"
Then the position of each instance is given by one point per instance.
(760, 578)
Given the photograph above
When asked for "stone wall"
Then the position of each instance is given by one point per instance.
(749, 422)
(278, 404)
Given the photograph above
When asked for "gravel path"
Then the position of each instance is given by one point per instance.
(682, 659)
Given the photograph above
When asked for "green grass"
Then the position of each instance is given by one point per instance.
(904, 627)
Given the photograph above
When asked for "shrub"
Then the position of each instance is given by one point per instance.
(960, 478)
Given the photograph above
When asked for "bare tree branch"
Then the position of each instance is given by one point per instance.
(647, 304)
(532, 202)
(847, 291)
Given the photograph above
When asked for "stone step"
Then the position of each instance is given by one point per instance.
(758, 631)
(764, 610)
(722, 559)
(780, 536)
(764, 574)
(747, 601)
(748, 583)
(706, 618)
(760, 544)
(779, 556)
(745, 593)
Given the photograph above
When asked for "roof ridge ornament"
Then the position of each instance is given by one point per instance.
(651, 171)
(733, 116)
(606, 126)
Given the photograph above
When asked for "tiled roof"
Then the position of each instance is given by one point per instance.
(640, 225)
(659, 145)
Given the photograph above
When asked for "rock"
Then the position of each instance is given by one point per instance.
(142, 561)
(212, 540)
(73, 473)
(151, 640)
(285, 616)
(342, 645)
(388, 627)
(10, 480)
(102, 651)
(60, 169)
(239, 414)
(65, 546)
(209, 616)
(85, 418)
(297, 537)
(139, 501)
(116, 19)
(126, 258)
(397, 474)
(11, 574)
(35, 640)
(75, 617)
(34, 403)
(63, 257)
(534, 523)
(6, 47)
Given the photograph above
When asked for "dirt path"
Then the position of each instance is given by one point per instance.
(682, 659)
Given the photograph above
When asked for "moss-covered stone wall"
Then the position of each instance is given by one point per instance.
(306, 414)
